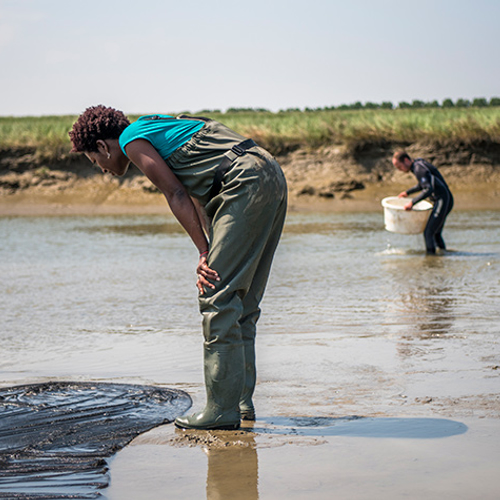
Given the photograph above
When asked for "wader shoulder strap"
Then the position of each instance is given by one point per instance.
(225, 164)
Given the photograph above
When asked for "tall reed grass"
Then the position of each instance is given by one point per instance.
(47, 136)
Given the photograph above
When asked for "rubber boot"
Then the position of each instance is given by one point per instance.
(224, 372)
(247, 409)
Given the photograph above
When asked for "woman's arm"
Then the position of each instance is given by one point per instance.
(149, 161)
(202, 215)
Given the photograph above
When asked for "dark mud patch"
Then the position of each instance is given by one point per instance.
(55, 437)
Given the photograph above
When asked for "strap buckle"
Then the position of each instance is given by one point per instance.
(237, 150)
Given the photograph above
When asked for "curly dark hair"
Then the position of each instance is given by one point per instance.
(96, 122)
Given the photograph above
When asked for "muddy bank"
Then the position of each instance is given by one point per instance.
(328, 178)
(55, 437)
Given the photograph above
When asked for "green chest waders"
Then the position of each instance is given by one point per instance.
(245, 196)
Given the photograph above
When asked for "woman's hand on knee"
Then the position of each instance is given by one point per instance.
(205, 275)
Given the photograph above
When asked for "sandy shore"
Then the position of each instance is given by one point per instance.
(105, 198)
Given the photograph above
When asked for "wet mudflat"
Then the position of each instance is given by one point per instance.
(55, 437)
(378, 366)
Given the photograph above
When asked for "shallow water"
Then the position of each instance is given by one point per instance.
(79, 295)
(356, 321)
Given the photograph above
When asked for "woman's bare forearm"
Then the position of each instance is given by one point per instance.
(202, 215)
(185, 211)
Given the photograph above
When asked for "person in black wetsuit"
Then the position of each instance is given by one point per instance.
(432, 186)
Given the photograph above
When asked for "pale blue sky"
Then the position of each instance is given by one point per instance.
(61, 56)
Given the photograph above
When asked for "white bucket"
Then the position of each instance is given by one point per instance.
(399, 220)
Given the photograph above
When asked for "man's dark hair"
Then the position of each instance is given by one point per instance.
(401, 156)
(96, 122)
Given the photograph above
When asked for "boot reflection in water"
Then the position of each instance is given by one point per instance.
(233, 472)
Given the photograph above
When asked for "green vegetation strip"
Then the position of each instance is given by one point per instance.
(280, 132)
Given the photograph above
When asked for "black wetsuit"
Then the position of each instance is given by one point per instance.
(434, 187)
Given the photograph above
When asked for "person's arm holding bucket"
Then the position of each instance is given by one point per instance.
(405, 194)
(425, 186)
(403, 163)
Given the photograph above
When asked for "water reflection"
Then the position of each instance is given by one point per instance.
(431, 309)
(423, 296)
(233, 470)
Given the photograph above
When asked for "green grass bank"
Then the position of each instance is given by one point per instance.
(45, 138)
(333, 159)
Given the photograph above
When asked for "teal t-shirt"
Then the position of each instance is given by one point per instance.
(164, 132)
